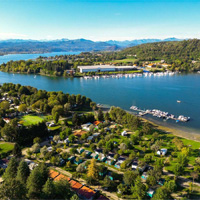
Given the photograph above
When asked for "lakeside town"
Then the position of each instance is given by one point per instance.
(52, 142)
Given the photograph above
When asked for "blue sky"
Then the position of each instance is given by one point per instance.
(99, 19)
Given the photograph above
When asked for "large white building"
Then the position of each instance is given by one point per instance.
(105, 68)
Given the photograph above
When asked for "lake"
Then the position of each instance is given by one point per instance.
(145, 92)
(14, 57)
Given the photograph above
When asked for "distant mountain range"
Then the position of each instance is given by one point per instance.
(12, 46)
(131, 43)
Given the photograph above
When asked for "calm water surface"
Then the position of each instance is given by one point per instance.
(14, 57)
(145, 92)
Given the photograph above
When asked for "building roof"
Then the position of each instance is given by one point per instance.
(86, 192)
(90, 137)
(96, 67)
(61, 177)
(53, 174)
(105, 67)
(79, 132)
(102, 198)
(75, 185)
(97, 123)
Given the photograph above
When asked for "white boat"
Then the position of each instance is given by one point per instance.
(178, 101)
(134, 108)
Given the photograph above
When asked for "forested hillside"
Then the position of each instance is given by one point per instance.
(180, 54)
(183, 50)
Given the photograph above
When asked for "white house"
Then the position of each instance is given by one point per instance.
(124, 133)
(90, 138)
(32, 165)
(135, 166)
(86, 126)
(162, 152)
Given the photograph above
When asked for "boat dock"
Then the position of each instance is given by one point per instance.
(131, 75)
(160, 114)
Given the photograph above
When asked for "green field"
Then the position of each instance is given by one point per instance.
(54, 128)
(31, 119)
(6, 147)
(126, 60)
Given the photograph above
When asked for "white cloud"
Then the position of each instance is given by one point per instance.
(13, 36)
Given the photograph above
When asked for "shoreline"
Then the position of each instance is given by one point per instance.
(34, 52)
(170, 130)
(175, 131)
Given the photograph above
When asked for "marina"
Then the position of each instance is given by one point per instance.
(160, 114)
(131, 75)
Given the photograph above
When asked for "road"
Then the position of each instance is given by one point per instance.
(184, 182)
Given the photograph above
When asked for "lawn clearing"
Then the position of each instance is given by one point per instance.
(31, 119)
(6, 147)
(126, 60)
(53, 128)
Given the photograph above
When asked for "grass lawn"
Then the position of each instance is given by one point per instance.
(126, 60)
(6, 147)
(31, 119)
(54, 128)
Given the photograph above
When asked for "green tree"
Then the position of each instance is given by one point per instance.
(67, 108)
(43, 151)
(57, 109)
(151, 180)
(121, 188)
(129, 177)
(75, 120)
(9, 133)
(62, 188)
(146, 128)
(4, 105)
(11, 170)
(170, 186)
(139, 189)
(55, 160)
(22, 108)
(161, 194)
(74, 197)
(78, 99)
(100, 115)
(178, 169)
(72, 138)
(182, 160)
(37, 140)
(12, 189)
(36, 180)
(17, 150)
(56, 117)
(36, 148)
(107, 182)
(107, 116)
(23, 172)
(49, 190)
(93, 105)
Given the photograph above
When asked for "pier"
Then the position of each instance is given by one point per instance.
(160, 114)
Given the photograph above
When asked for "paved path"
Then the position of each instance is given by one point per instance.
(184, 182)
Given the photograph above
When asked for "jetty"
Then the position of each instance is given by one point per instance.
(160, 114)
(130, 75)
